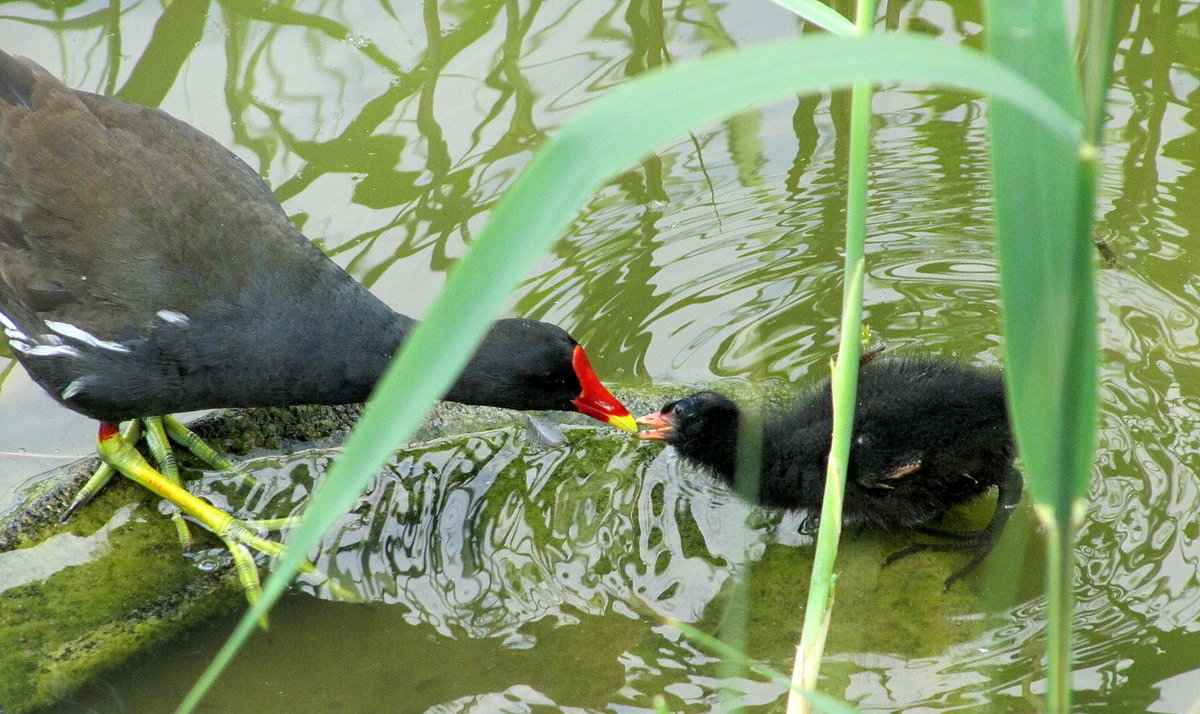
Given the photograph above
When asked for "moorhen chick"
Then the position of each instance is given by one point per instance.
(928, 434)
(145, 270)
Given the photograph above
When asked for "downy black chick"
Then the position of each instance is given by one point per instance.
(929, 434)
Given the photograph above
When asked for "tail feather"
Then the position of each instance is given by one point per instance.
(16, 81)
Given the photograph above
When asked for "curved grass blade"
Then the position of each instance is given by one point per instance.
(1098, 30)
(8, 369)
(819, 14)
(606, 137)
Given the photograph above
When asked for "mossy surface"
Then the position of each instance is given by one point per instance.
(136, 592)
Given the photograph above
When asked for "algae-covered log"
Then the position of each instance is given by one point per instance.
(482, 531)
(79, 597)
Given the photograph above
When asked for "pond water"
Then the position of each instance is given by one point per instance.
(503, 575)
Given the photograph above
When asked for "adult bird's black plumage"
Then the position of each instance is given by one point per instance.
(928, 435)
(145, 269)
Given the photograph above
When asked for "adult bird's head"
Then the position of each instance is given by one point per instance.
(527, 364)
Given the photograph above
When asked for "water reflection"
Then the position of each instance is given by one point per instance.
(491, 539)
(482, 536)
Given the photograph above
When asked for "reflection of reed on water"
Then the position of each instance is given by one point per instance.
(485, 534)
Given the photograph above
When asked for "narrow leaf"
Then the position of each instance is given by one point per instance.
(818, 610)
(610, 134)
(1044, 194)
(1046, 269)
(819, 14)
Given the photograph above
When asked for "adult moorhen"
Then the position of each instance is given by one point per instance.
(928, 434)
(145, 269)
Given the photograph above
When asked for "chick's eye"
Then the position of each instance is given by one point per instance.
(681, 409)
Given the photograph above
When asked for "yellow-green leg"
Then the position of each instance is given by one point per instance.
(160, 448)
(131, 433)
(189, 440)
(237, 535)
(160, 431)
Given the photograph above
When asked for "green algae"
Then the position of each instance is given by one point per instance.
(138, 593)
(902, 610)
(61, 631)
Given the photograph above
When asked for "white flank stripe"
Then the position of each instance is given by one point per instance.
(85, 337)
(175, 318)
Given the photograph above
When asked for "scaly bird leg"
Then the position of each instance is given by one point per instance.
(189, 440)
(160, 448)
(237, 535)
(100, 479)
(1007, 497)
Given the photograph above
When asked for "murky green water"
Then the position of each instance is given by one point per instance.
(503, 575)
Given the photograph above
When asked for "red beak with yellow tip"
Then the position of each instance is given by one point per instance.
(595, 400)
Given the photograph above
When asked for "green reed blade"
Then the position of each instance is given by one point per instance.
(1044, 195)
(609, 134)
(819, 14)
(1045, 259)
(818, 610)
(1099, 26)
(7, 370)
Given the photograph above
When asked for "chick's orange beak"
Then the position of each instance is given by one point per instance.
(594, 399)
(657, 426)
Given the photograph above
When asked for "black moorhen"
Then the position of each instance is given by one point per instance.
(145, 269)
(928, 434)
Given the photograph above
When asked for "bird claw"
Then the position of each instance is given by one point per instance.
(979, 541)
(100, 478)
(247, 572)
(239, 536)
(810, 524)
(974, 536)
